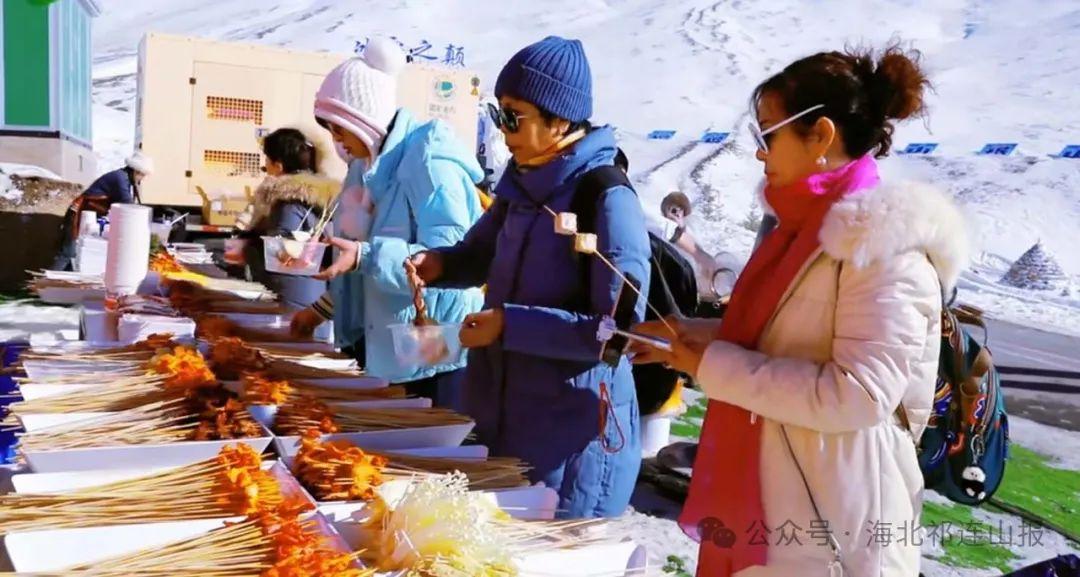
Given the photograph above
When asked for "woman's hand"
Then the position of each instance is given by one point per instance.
(482, 329)
(688, 345)
(428, 266)
(346, 260)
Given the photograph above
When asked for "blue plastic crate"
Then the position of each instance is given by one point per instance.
(7, 446)
(9, 353)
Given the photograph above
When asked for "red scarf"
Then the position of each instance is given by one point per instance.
(726, 483)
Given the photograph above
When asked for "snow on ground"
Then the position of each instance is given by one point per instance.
(8, 190)
(690, 66)
(1030, 544)
(1063, 447)
(1048, 310)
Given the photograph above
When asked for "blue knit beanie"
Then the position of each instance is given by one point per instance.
(552, 74)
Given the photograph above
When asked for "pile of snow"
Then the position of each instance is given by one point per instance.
(11, 193)
(27, 171)
(8, 190)
(1045, 310)
(1036, 270)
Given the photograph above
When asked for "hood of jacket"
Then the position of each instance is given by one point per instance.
(305, 187)
(895, 218)
(410, 149)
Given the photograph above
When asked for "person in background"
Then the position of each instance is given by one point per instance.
(535, 384)
(674, 229)
(422, 186)
(491, 146)
(292, 197)
(821, 374)
(120, 185)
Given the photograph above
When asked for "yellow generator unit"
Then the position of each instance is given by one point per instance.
(203, 107)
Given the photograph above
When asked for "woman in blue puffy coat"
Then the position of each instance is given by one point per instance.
(535, 383)
(421, 182)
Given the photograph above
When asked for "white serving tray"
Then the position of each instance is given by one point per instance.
(389, 440)
(60, 295)
(56, 550)
(600, 560)
(39, 483)
(45, 369)
(35, 422)
(31, 391)
(134, 456)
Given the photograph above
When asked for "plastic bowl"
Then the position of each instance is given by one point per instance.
(161, 231)
(426, 346)
(301, 259)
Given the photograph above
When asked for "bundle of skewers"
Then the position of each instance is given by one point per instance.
(203, 414)
(201, 286)
(135, 353)
(211, 327)
(44, 279)
(339, 470)
(193, 299)
(272, 542)
(169, 374)
(285, 352)
(301, 415)
(232, 357)
(260, 389)
(234, 483)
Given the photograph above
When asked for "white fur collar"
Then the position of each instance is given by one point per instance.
(895, 218)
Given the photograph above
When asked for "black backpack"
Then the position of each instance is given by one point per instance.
(673, 288)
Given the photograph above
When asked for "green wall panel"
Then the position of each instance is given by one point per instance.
(26, 63)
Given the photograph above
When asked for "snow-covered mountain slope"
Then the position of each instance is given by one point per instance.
(1001, 70)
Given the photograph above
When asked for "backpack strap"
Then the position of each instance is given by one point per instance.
(658, 267)
(588, 194)
(590, 191)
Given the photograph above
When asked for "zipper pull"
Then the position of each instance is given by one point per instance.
(753, 418)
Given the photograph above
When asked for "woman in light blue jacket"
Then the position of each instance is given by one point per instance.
(421, 183)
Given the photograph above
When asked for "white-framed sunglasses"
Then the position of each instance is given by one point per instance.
(759, 134)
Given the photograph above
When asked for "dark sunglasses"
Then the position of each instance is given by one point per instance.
(505, 118)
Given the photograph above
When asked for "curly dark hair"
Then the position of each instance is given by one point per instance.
(863, 92)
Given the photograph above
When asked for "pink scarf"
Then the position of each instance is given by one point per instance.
(725, 490)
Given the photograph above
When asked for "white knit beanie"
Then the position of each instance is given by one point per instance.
(360, 95)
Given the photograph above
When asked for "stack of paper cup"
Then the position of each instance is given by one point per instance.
(129, 248)
(88, 224)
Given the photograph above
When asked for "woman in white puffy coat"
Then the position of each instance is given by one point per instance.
(804, 466)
